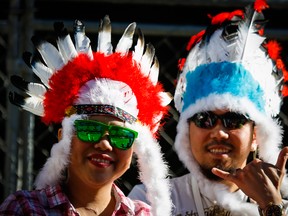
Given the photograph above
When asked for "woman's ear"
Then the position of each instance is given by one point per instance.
(59, 134)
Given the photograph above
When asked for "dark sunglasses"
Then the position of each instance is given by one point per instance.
(230, 120)
(93, 131)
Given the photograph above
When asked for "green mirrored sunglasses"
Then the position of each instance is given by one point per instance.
(93, 131)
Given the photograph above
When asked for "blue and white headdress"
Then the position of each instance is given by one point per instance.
(232, 66)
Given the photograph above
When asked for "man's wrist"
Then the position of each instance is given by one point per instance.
(272, 210)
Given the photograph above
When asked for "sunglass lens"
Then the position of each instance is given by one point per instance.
(233, 120)
(87, 136)
(89, 131)
(204, 120)
(121, 138)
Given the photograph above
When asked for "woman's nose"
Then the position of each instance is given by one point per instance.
(104, 143)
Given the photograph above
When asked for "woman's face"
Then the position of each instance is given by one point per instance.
(98, 163)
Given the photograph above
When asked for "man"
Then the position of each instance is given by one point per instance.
(102, 99)
(227, 94)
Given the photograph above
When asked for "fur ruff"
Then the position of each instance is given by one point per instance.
(154, 173)
(152, 170)
(54, 168)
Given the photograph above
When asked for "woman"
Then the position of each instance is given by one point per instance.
(103, 101)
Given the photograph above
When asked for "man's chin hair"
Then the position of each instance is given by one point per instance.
(209, 175)
(206, 171)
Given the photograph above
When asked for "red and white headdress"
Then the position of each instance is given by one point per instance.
(78, 82)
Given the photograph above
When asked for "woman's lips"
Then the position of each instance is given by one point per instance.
(100, 160)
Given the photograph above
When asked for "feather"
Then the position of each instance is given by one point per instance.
(126, 40)
(32, 89)
(154, 71)
(260, 5)
(139, 48)
(37, 90)
(248, 40)
(31, 104)
(147, 59)
(82, 42)
(44, 73)
(104, 36)
(195, 39)
(222, 49)
(49, 53)
(64, 42)
(166, 98)
(34, 105)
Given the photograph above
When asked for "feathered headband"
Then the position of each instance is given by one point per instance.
(78, 82)
(237, 37)
(231, 65)
(68, 68)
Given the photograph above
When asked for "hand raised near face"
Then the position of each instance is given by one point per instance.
(259, 180)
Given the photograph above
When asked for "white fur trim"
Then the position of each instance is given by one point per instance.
(153, 171)
(52, 172)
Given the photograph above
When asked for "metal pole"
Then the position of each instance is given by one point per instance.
(12, 123)
(28, 119)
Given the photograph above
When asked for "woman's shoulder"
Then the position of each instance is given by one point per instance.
(23, 201)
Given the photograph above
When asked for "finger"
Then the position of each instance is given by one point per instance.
(282, 158)
(222, 174)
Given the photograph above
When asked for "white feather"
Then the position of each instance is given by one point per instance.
(66, 48)
(220, 48)
(252, 43)
(147, 59)
(139, 48)
(104, 36)
(126, 40)
(248, 40)
(166, 98)
(51, 56)
(154, 71)
(43, 72)
(37, 90)
(34, 105)
(82, 42)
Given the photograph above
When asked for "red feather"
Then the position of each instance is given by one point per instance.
(195, 39)
(285, 91)
(225, 16)
(181, 63)
(65, 85)
(260, 5)
(274, 49)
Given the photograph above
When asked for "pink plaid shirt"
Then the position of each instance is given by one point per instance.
(53, 201)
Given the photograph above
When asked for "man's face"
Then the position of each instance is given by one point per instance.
(220, 147)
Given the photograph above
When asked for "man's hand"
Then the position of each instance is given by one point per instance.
(259, 180)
